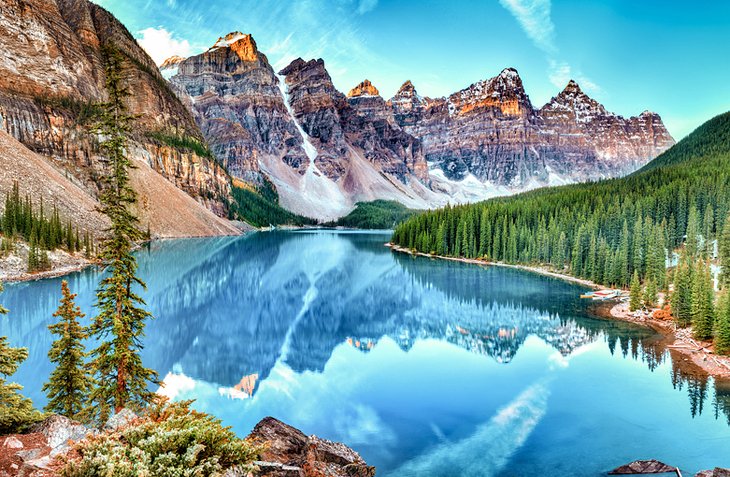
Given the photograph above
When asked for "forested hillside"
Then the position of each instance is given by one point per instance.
(602, 231)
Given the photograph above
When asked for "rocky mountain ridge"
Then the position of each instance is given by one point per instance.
(483, 141)
(52, 74)
(296, 130)
(491, 132)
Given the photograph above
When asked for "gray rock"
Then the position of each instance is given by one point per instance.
(30, 454)
(716, 472)
(59, 431)
(13, 443)
(643, 467)
(120, 419)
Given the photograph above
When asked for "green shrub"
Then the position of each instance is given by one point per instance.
(170, 440)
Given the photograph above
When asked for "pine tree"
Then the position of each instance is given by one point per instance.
(650, 293)
(69, 384)
(682, 296)
(16, 411)
(724, 247)
(635, 294)
(722, 326)
(693, 233)
(703, 296)
(121, 379)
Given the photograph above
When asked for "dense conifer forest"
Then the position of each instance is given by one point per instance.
(611, 230)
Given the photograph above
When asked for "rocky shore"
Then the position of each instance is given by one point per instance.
(288, 451)
(699, 353)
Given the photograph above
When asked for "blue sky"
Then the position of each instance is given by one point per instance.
(667, 56)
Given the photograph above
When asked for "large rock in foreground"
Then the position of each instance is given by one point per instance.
(291, 453)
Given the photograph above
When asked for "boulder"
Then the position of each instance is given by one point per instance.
(12, 443)
(120, 419)
(299, 455)
(716, 472)
(643, 467)
(60, 431)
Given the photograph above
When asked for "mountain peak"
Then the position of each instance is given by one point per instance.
(172, 62)
(407, 90)
(365, 88)
(243, 44)
(572, 87)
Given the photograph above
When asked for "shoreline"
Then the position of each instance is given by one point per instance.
(679, 341)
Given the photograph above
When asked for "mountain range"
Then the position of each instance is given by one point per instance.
(325, 151)
(225, 118)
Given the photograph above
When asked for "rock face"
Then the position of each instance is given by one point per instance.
(51, 71)
(491, 131)
(291, 453)
(322, 150)
(236, 99)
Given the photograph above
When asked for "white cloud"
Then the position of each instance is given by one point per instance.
(534, 18)
(160, 44)
(561, 72)
(365, 6)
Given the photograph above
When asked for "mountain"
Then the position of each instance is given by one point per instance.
(297, 131)
(710, 139)
(491, 134)
(324, 151)
(604, 231)
(51, 74)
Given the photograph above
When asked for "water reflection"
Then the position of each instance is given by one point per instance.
(413, 361)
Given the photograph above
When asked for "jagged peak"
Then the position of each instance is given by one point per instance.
(365, 88)
(299, 64)
(572, 87)
(172, 62)
(243, 44)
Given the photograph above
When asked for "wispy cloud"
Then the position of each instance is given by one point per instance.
(160, 44)
(535, 18)
(365, 6)
(561, 72)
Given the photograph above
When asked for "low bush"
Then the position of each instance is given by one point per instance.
(170, 440)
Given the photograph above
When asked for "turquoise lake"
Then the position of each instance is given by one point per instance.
(425, 367)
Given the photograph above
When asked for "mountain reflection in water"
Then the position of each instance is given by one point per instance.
(426, 367)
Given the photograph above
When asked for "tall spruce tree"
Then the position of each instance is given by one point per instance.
(722, 326)
(724, 250)
(16, 411)
(681, 299)
(69, 384)
(121, 379)
(650, 293)
(635, 293)
(703, 297)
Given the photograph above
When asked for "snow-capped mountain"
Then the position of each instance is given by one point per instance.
(325, 151)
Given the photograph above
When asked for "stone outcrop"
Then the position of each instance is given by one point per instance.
(289, 452)
(51, 72)
(716, 472)
(643, 467)
(491, 131)
(322, 150)
(365, 88)
(235, 96)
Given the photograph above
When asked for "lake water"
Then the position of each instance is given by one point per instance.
(427, 368)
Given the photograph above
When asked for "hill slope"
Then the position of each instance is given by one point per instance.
(710, 139)
(603, 231)
(169, 211)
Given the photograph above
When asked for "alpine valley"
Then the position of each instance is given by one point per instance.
(225, 120)
(218, 259)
